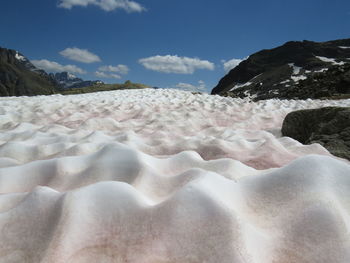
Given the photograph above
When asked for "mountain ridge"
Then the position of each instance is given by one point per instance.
(274, 73)
(66, 80)
(18, 76)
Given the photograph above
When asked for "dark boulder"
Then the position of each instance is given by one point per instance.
(329, 126)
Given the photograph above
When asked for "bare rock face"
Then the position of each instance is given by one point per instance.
(19, 77)
(329, 126)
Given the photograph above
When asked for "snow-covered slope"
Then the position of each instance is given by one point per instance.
(166, 176)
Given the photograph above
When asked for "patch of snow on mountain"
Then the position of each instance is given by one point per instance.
(256, 76)
(343, 47)
(71, 76)
(285, 81)
(20, 57)
(298, 78)
(296, 70)
(237, 86)
(321, 70)
(330, 60)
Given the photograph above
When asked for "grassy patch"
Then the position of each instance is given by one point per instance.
(104, 87)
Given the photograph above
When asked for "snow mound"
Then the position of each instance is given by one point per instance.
(166, 176)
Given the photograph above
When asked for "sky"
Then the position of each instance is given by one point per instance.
(185, 44)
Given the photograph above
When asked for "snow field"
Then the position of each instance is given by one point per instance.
(165, 176)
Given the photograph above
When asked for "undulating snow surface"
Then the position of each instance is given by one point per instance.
(163, 176)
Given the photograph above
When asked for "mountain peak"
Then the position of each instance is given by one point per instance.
(66, 80)
(18, 76)
(277, 72)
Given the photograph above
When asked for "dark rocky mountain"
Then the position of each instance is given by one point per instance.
(19, 77)
(67, 80)
(329, 126)
(295, 70)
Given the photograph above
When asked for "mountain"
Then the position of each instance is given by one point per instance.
(19, 77)
(67, 80)
(295, 70)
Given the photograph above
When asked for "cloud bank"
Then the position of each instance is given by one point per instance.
(106, 5)
(201, 87)
(121, 69)
(51, 66)
(104, 75)
(80, 55)
(175, 64)
(112, 72)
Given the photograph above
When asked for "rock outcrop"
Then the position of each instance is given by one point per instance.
(329, 126)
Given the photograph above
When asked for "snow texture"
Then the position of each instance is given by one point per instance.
(164, 176)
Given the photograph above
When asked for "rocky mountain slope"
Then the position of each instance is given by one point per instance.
(67, 80)
(18, 76)
(295, 70)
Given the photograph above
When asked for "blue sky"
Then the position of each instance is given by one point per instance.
(163, 43)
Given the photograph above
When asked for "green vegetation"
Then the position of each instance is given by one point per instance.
(105, 87)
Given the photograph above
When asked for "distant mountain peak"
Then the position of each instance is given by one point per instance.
(66, 80)
(71, 76)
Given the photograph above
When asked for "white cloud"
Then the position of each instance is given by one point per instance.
(107, 5)
(231, 64)
(51, 66)
(104, 75)
(80, 55)
(175, 64)
(121, 69)
(189, 87)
